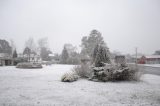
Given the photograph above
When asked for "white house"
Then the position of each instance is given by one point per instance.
(31, 58)
(5, 59)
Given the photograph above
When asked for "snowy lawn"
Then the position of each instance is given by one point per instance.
(42, 87)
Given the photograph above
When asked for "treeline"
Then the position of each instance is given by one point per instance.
(40, 48)
(69, 54)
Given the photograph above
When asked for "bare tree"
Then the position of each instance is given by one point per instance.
(70, 48)
(31, 44)
(5, 47)
(64, 56)
(44, 49)
(43, 42)
(13, 46)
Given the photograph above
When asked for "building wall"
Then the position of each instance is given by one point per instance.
(153, 61)
(5, 62)
(35, 59)
(147, 60)
(31, 58)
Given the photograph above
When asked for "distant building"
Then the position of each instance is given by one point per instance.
(5, 59)
(30, 58)
(148, 59)
(133, 58)
(153, 59)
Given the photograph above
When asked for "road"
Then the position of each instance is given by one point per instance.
(149, 69)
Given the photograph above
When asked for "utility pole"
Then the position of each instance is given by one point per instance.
(136, 56)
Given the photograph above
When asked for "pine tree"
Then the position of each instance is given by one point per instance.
(5, 47)
(101, 55)
(95, 51)
(64, 56)
(89, 42)
(27, 51)
(15, 54)
(44, 53)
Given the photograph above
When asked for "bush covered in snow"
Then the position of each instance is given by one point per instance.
(126, 73)
(69, 77)
(105, 70)
(137, 72)
(115, 73)
(101, 73)
(83, 70)
(27, 65)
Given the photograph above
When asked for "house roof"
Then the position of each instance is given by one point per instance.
(51, 55)
(153, 56)
(147, 56)
(137, 56)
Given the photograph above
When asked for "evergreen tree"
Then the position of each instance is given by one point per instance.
(15, 54)
(157, 52)
(89, 42)
(44, 53)
(64, 56)
(27, 51)
(101, 55)
(95, 51)
(5, 47)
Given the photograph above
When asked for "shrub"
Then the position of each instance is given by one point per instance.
(123, 74)
(69, 77)
(137, 73)
(29, 65)
(83, 70)
(73, 60)
(115, 73)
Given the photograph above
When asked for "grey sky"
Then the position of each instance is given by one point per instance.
(124, 24)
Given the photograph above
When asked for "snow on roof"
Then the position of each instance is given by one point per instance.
(147, 56)
(153, 56)
(137, 56)
(51, 55)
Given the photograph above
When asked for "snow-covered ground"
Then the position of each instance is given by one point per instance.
(42, 87)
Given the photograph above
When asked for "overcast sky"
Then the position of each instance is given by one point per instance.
(124, 24)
